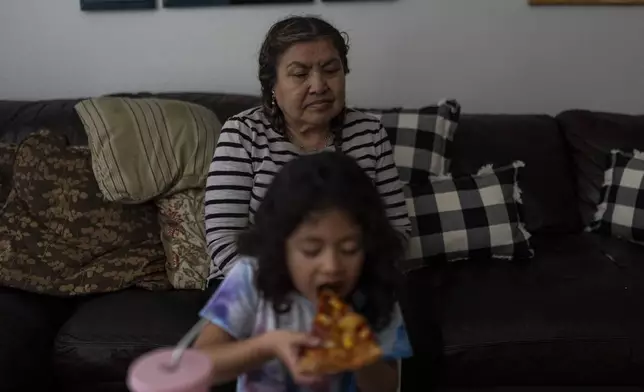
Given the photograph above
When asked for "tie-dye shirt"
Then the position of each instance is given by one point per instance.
(237, 308)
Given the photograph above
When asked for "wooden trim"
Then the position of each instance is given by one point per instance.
(586, 2)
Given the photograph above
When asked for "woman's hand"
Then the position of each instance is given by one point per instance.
(287, 346)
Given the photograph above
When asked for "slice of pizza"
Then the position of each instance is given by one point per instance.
(348, 343)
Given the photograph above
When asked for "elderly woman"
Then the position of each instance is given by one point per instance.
(302, 68)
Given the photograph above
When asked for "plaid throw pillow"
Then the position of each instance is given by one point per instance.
(421, 138)
(621, 209)
(469, 217)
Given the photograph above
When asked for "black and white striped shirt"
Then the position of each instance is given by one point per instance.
(248, 154)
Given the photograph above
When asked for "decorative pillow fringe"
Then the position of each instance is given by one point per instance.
(518, 199)
(638, 155)
(489, 168)
(441, 177)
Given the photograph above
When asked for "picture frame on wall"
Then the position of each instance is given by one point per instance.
(112, 5)
(208, 3)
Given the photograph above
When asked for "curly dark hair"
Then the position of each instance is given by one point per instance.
(281, 36)
(319, 182)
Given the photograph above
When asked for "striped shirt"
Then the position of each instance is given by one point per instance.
(248, 154)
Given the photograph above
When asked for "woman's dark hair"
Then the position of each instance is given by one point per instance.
(320, 182)
(281, 36)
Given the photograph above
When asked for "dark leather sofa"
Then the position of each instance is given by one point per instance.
(569, 319)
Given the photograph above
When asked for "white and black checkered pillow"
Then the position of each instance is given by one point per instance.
(621, 209)
(421, 138)
(469, 217)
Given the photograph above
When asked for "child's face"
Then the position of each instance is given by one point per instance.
(326, 249)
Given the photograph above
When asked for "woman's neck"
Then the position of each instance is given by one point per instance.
(309, 138)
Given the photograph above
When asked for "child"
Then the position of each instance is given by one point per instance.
(321, 223)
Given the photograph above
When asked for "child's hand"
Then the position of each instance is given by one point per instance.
(287, 345)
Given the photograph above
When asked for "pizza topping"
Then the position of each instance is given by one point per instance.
(347, 341)
(323, 319)
(336, 303)
(364, 334)
(350, 322)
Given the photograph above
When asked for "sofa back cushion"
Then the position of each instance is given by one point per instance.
(146, 148)
(592, 136)
(546, 181)
(59, 237)
(18, 119)
(223, 105)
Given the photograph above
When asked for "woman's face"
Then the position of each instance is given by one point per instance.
(325, 250)
(310, 84)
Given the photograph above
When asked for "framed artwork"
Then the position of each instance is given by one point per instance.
(206, 3)
(586, 2)
(106, 5)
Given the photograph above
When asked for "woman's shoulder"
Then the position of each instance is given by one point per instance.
(356, 121)
(354, 114)
(252, 117)
(252, 124)
(361, 128)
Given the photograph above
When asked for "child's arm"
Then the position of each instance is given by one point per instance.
(381, 376)
(229, 339)
(231, 357)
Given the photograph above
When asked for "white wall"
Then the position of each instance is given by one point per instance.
(492, 55)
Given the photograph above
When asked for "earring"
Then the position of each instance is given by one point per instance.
(274, 107)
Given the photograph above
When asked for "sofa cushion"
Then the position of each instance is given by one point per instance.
(18, 119)
(562, 318)
(222, 104)
(183, 232)
(146, 148)
(470, 217)
(421, 139)
(549, 200)
(620, 212)
(59, 237)
(592, 136)
(104, 335)
(29, 326)
(630, 257)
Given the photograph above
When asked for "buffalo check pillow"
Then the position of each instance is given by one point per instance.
(469, 217)
(621, 209)
(421, 138)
